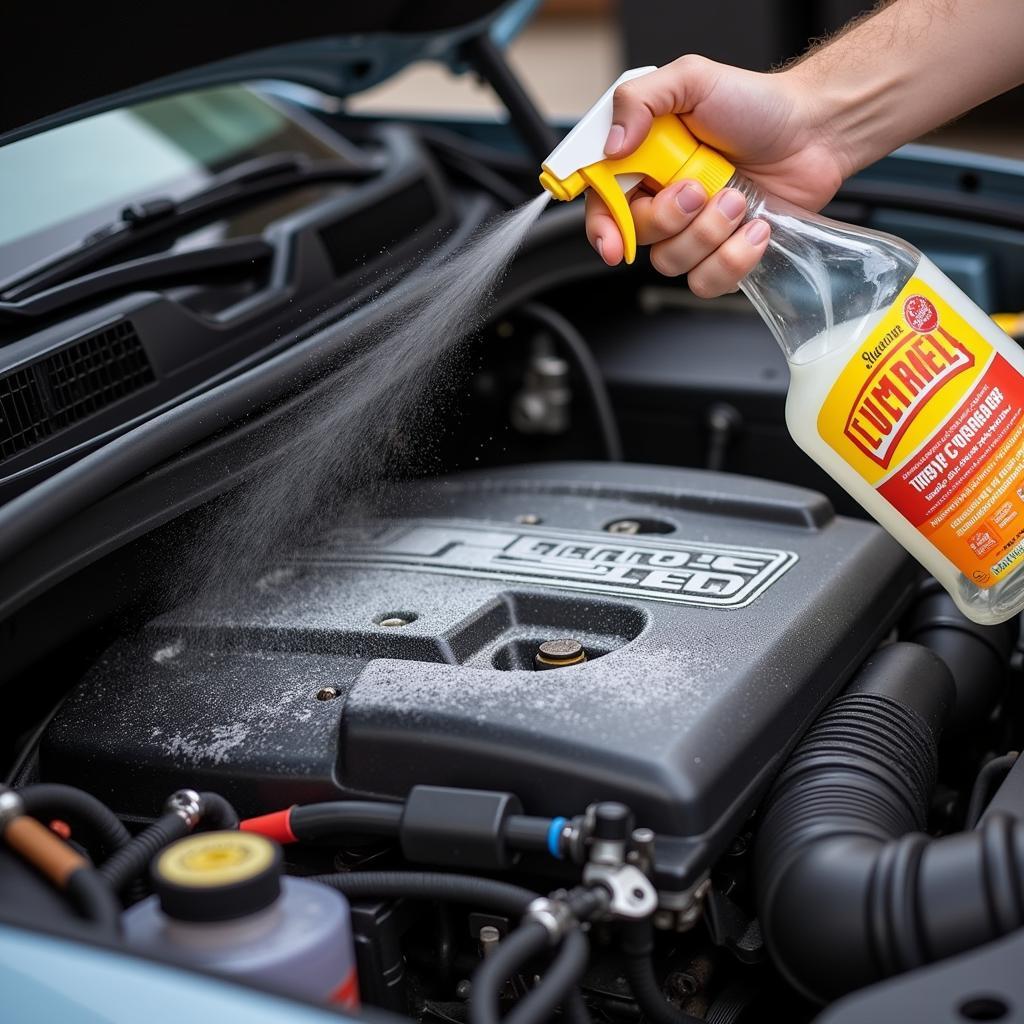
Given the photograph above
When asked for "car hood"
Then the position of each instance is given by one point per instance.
(67, 63)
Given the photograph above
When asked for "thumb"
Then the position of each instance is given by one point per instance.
(675, 88)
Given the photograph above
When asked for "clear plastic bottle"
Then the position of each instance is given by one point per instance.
(222, 904)
(902, 389)
(904, 392)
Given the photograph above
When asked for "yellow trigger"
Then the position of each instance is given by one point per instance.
(605, 184)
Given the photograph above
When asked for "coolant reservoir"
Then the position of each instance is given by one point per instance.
(222, 904)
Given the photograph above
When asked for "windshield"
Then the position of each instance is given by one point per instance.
(59, 186)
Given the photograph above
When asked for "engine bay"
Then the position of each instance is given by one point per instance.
(601, 703)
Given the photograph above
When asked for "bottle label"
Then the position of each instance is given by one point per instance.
(932, 416)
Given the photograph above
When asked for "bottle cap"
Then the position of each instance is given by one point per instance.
(217, 876)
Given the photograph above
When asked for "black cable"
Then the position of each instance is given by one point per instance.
(516, 949)
(92, 823)
(94, 898)
(557, 983)
(346, 818)
(591, 372)
(981, 792)
(433, 885)
(125, 866)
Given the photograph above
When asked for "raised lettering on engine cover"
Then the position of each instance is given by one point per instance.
(682, 571)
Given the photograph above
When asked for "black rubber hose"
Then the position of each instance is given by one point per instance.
(977, 656)
(92, 823)
(346, 818)
(217, 813)
(526, 833)
(520, 946)
(591, 372)
(433, 885)
(557, 984)
(637, 947)
(95, 900)
(849, 889)
(125, 866)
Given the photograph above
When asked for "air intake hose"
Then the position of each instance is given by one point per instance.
(977, 656)
(850, 890)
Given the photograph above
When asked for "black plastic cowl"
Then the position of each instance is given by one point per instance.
(850, 890)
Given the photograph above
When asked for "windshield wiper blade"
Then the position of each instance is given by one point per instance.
(232, 255)
(144, 219)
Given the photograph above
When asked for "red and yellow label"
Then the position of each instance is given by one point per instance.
(932, 416)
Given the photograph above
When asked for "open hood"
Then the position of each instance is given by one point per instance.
(61, 64)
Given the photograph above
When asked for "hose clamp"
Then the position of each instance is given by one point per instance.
(187, 804)
(11, 806)
(554, 915)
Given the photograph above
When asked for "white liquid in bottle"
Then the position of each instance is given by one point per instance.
(905, 393)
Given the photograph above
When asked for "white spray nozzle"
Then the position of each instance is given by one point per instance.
(584, 145)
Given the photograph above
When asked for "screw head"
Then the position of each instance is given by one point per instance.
(393, 623)
(629, 527)
(326, 693)
(529, 519)
(463, 989)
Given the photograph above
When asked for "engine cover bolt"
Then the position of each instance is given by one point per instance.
(630, 527)
(559, 653)
(326, 693)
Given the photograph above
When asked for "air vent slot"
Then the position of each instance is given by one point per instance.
(69, 385)
(24, 419)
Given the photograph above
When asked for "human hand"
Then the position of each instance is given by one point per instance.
(767, 125)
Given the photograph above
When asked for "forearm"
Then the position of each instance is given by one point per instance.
(909, 68)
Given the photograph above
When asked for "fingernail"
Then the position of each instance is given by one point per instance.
(616, 137)
(756, 232)
(690, 198)
(600, 247)
(731, 203)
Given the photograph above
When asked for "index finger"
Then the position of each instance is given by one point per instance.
(675, 88)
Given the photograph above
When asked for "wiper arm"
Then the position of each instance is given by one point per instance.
(140, 221)
(223, 257)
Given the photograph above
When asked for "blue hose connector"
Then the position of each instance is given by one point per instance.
(555, 837)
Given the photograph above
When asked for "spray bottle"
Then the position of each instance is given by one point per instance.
(901, 388)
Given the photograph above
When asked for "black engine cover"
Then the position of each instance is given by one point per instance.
(714, 637)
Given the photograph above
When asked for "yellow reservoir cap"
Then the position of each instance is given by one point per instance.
(212, 859)
(669, 153)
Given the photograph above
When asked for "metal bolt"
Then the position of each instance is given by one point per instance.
(489, 939)
(463, 989)
(326, 693)
(529, 519)
(624, 526)
(393, 622)
(559, 653)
